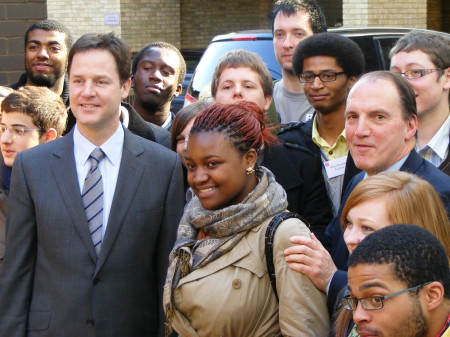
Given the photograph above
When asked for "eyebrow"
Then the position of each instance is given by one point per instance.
(368, 286)
(40, 42)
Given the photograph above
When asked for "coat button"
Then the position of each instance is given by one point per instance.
(90, 323)
(237, 283)
(330, 153)
(97, 281)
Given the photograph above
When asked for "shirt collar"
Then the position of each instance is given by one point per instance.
(394, 167)
(440, 141)
(168, 122)
(318, 140)
(85, 147)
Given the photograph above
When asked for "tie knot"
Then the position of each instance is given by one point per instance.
(96, 156)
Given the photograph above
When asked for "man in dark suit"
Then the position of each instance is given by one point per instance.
(93, 215)
(381, 123)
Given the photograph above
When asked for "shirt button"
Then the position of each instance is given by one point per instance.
(330, 153)
(237, 283)
(90, 323)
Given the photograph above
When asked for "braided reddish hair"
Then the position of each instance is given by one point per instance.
(243, 122)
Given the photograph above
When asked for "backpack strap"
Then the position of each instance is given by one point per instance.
(269, 243)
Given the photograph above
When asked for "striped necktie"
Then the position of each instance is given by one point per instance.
(92, 196)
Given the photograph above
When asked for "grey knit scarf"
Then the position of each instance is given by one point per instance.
(224, 229)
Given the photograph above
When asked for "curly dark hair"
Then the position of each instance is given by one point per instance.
(347, 53)
(49, 25)
(416, 255)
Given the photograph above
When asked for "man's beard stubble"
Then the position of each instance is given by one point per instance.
(41, 80)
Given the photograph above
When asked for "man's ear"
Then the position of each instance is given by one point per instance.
(178, 91)
(51, 134)
(434, 295)
(132, 81)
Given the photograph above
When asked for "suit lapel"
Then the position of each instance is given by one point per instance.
(130, 174)
(64, 170)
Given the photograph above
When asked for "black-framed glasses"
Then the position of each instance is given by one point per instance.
(417, 73)
(374, 302)
(326, 76)
(15, 130)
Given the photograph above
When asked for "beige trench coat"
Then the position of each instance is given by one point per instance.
(232, 296)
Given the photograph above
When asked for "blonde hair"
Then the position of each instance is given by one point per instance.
(409, 200)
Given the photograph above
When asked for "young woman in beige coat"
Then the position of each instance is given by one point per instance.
(217, 283)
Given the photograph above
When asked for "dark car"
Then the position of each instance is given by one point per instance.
(192, 58)
(375, 43)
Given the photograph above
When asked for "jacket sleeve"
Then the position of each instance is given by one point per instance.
(20, 257)
(173, 210)
(302, 307)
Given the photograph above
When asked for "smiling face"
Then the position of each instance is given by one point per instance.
(216, 170)
(401, 316)
(241, 84)
(10, 144)
(96, 92)
(364, 219)
(288, 31)
(431, 90)
(377, 134)
(45, 57)
(156, 79)
(326, 97)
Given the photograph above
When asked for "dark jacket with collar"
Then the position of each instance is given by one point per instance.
(300, 175)
(138, 126)
(300, 133)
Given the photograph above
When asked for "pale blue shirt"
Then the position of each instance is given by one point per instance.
(109, 166)
(437, 148)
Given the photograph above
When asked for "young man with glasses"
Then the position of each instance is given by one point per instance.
(399, 284)
(327, 65)
(423, 58)
(30, 116)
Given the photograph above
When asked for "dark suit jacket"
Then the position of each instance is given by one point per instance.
(301, 177)
(53, 285)
(300, 134)
(339, 252)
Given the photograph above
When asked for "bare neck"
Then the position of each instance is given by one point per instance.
(291, 83)
(98, 136)
(154, 117)
(330, 125)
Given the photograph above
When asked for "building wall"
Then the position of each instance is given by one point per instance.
(84, 16)
(399, 13)
(148, 21)
(199, 23)
(15, 18)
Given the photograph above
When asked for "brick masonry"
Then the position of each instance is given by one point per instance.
(375, 13)
(15, 18)
(190, 24)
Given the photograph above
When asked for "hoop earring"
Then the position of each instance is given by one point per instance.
(249, 170)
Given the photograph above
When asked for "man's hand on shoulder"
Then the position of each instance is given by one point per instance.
(309, 257)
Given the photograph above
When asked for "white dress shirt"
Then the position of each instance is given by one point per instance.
(109, 166)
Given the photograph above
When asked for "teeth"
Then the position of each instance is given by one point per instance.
(207, 189)
(88, 106)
